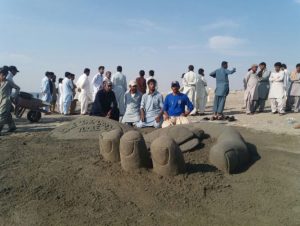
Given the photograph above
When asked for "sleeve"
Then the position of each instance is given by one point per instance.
(189, 104)
(213, 74)
(14, 86)
(143, 102)
(271, 79)
(94, 80)
(166, 104)
(161, 102)
(229, 72)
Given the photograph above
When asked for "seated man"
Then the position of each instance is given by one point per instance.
(105, 104)
(174, 107)
(132, 101)
(151, 107)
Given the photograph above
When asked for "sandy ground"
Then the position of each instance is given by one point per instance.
(44, 181)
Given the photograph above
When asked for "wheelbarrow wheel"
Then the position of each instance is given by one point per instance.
(34, 116)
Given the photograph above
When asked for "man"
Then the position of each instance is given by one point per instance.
(251, 92)
(295, 89)
(12, 71)
(107, 77)
(151, 107)
(263, 87)
(97, 81)
(141, 82)
(83, 87)
(132, 104)
(105, 104)
(222, 89)
(75, 96)
(190, 80)
(5, 101)
(201, 92)
(277, 91)
(60, 96)
(286, 86)
(46, 90)
(119, 87)
(67, 95)
(54, 93)
(151, 76)
(174, 107)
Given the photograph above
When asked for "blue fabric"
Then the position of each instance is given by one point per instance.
(67, 104)
(175, 104)
(219, 104)
(46, 91)
(222, 81)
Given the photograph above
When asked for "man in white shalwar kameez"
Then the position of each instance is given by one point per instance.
(119, 88)
(190, 80)
(83, 87)
(67, 94)
(201, 92)
(97, 81)
(277, 91)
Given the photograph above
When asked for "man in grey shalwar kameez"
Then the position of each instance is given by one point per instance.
(263, 87)
(294, 92)
(132, 100)
(5, 103)
(222, 89)
(251, 92)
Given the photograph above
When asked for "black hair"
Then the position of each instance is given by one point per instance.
(67, 74)
(277, 64)
(200, 71)
(60, 80)
(151, 73)
(86, 70)
(191, 68)
(151, 80)
(298, 65)
(182, 75)
(119, 69)
(284, 66)
(101, 67)
(263, 64)
(224, 63)
(142, 73)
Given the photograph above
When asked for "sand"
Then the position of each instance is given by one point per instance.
(50, 181)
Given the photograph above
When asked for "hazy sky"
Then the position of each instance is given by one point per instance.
(167, 36)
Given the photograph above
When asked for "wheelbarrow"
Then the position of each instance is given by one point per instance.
(25, 101)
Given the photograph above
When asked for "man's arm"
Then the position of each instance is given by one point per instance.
(189, 106)
(213, 74)
(229, 72)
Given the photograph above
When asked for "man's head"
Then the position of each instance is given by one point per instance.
(72, 76)
(67, 74)
(108, 74)
(151, 73)
(13, 70)
(87, 71)
(151, 85)
(142, 73)
(277, 66)
(101, 70)
(254, 68)
(191, 68)
(48, 74)
(133, 86)
(298, 68)
(175, 86)
(201, 71)
(224, 64)
(119, 69)
(262, 66)
(107, 86)
(60, 80)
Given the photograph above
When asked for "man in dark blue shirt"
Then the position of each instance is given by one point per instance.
(174, 107)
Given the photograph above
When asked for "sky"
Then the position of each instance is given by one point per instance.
(163, 35)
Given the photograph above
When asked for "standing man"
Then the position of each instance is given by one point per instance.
(151, 107)
(132, 104)
(54, 93)
(105, 104)
(60, 96)
(222, 89)
(97, 81)
(295, 89)
(251, 92)
(141, 82)
(263, 87)
(119, 87)
(174, 107)
(83, 87)
(151, 76)
(277, 91)
(46, 90)
(201, 93)
(68, 89)
(190, 80)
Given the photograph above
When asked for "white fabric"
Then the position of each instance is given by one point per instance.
(97, 84)
(277, 105)
(84, 95)
(276, 85)
(189, 88)
(201, 94)
(60, 98)
(119, 88)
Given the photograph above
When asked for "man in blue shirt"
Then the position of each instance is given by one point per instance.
(174, 107)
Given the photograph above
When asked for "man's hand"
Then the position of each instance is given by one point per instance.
(157, 119)
(108, 114)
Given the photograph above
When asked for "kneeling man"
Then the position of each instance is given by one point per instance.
(174, 107)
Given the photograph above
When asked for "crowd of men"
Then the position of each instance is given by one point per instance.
(140, 103)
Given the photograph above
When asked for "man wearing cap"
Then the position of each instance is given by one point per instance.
(190, 81)
(132, 104)
(67, 95)
(46, 90)
(251, 92)
(83, 87)
(263, 87)
(5, 101)
(222, 89)
(174, 107)
(119, 87)
(151, 107)
(105, 104)
(97, 81)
